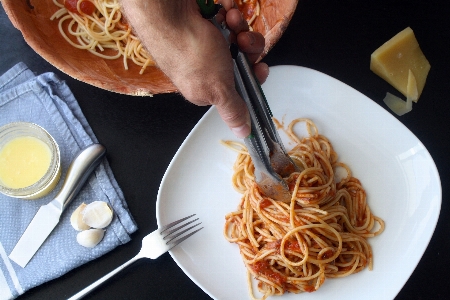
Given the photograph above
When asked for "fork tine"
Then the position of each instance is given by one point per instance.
(176, 228)
(164, 228)
(174, 236)
(178, 241)
(171, 238)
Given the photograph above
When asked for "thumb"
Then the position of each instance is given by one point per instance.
(234, 113)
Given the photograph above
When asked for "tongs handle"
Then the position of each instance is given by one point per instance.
(264, 144)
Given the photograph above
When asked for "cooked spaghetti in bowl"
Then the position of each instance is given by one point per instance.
(53, 30)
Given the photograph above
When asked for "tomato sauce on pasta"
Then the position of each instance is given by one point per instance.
(322, 233)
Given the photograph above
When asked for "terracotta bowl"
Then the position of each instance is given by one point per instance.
(32, 18)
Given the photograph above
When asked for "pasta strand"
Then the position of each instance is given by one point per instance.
(294, 247)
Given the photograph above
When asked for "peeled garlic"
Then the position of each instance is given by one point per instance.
(76, 219)
(97, 214)
(90, 238)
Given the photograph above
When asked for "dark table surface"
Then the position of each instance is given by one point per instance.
(143, 134)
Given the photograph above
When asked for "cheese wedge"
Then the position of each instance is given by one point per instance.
(411, 89)
(397, 105)
(402, 64)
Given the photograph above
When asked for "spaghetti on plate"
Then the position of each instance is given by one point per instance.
(323, 231)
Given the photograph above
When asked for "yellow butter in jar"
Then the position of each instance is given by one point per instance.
(29, 161)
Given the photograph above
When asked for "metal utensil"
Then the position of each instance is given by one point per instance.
(264, 145)
(153, 246)
(48, 215)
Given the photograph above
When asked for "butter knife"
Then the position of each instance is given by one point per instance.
(48, 215)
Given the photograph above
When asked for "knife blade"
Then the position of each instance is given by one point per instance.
(48, 215)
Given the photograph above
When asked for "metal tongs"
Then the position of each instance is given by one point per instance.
(271, 161)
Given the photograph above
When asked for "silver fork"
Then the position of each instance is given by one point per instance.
(153, 246)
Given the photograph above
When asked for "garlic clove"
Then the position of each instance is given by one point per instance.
(90, 238)
(97, 214)
(76, 219)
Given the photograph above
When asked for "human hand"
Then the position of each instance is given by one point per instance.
(194, 54)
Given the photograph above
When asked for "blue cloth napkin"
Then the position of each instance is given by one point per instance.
(48, 102)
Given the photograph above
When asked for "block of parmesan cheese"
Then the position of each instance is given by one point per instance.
(402, 64)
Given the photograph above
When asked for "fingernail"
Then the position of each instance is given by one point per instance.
(251, 37)
(241, 131)
(266, 68)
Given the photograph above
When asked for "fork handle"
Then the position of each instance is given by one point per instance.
(102, 280)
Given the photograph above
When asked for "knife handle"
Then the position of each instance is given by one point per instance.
(78, 172)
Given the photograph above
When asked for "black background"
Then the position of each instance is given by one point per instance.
(143, 134)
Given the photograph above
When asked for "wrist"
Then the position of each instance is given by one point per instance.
(156, 22)
(159, 13)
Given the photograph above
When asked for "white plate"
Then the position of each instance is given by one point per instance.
(399, 175)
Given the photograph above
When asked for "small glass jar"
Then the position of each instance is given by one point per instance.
(26, 144)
